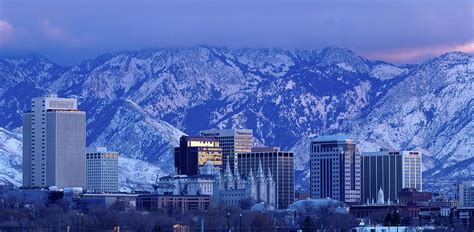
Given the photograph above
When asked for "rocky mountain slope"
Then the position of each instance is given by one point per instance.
(139, 103)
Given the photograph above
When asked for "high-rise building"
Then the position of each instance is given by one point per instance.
(281, 165)
(54, 142)
(390, 171)
(101, 170)
(194, 151)
(232, 141)
(412, 170)
(466, 194)
(335, 168)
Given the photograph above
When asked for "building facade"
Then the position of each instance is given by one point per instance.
(194, 151)
(466, 194)
(390, 170)
(282, 166)
(101, 170)
(201, 184)
(414, 197)
(231, 189)
(181, 203)
(54, 142)
(232, 142)
(412, 177)
(335, 169)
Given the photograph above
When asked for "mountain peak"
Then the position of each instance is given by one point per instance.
(344, 58)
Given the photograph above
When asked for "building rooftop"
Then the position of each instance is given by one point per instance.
(331, 138)
(265, 149)
(199, 138)
(226, 132)
(96, 149)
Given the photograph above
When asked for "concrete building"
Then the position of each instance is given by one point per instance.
(231, 189)
(232, 142)
(201, 184)
(282, 166)
(194, 151)
(390, 170)
(101, 170)
(335, 169)
(466, 194)
(54, 142)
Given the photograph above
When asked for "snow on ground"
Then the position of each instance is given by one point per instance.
(385, 71)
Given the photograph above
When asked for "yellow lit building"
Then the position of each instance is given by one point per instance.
(194, 151)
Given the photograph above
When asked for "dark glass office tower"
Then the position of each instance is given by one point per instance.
(335, 169)
(281, 165)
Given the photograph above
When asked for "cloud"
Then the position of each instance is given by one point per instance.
(68, 32)
(417, 53)
(7, 32)
(51, 31)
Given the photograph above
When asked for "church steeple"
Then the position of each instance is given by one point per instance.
(380, 197)
(250, 177)
(269, 176)
(228, 178)
(260, 174)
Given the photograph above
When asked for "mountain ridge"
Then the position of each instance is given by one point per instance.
(286, 96)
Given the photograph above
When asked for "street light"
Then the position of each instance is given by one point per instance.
(240, 222)
(228, 221)
(77, 222)
(82, 222)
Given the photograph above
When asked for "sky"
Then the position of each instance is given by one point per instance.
(68, 32)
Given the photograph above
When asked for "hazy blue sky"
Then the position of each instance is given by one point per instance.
(399, 31)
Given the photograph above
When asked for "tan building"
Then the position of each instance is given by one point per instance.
(193, 153)
(232, 142)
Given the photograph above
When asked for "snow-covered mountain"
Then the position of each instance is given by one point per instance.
(139, 103)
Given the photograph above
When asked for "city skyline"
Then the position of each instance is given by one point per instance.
(237, 115)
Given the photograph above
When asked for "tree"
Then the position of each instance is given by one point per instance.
(396, 218)
(157, 228)
(388, 219)
(308, 225)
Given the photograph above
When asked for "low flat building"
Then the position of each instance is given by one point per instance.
(105, 200)
(180, 203)
(201, 184)
(363, 211)
(185, 185)
(413, 196)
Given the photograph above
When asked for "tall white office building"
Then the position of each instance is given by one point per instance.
(101, 170)
(232, 142)
(335, 169)
(412, 177)
(54, 141)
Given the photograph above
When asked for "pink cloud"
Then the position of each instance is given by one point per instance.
(51, 31)
(7, 32)
(412, 54)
